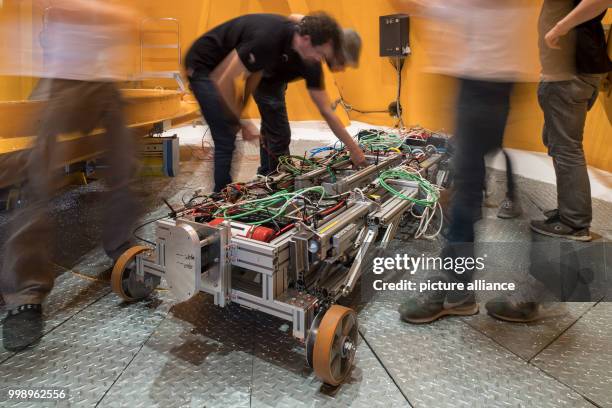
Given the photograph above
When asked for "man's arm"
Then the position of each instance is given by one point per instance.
(251, 85)
(225, 76)
(249, 130)
(320, 98)
(586, 10)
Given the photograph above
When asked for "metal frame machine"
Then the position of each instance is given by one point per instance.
(292, 243)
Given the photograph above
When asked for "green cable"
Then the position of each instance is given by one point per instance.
(264, 204)
(404, 175)
(331, 173)
(375, 141)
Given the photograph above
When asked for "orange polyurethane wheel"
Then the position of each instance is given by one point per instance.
(119, 271)
(335, 345)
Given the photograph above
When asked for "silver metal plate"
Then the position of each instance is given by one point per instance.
(70, 295)
(183, 262)
(199, 357)
(528, 339)
(582, 356)
(87, 353)
(449, 364)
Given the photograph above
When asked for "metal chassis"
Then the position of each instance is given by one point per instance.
(195, 257)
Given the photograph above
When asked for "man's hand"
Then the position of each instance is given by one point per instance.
(358, 158)
(249, 131)
(584, 11)
(320, 98)
(552, 37)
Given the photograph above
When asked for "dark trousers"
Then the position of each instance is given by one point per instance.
(565, 105)
(26, 275)
(510, 185)
(223, 126)
(481, 116)
(275, 129)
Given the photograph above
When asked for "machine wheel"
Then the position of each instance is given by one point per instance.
(335, 345)
(124, 282)
(312, 337)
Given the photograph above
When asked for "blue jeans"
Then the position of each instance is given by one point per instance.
(223, 126)
(482, 113)
(275, 129)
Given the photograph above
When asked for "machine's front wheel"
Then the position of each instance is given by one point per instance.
(335, 345)
(124, 281)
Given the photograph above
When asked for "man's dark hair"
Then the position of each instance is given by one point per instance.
(322, 28)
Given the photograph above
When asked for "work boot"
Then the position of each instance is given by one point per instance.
(509, 208)
(438, 304)
(22, 327)
(517, 312)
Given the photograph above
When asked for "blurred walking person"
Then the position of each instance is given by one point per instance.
(79, 40)
(510, 206)
(486, 63)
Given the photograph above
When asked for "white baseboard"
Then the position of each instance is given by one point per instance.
(538, 166)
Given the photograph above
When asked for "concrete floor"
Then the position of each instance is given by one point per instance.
(160, 353)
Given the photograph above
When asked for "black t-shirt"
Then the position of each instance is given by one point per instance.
(591, 50)
(291, 68)
(260, 40)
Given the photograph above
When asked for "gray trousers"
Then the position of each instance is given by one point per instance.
(565, 105)
(26, 276)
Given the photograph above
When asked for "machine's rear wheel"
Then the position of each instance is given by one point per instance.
(124, 281)
(312, 337)
(335, 345)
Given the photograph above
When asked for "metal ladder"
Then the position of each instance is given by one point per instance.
(144, 45)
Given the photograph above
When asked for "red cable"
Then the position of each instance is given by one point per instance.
(332, 209)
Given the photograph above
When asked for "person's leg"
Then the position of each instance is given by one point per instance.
(222, 127)
(509, 176)
(264, 155)
(510, 206)
(556, 271)
(121, 209)
(565, 105)
(26, 277)
(482, 112)
(275, 129)
(542, 95)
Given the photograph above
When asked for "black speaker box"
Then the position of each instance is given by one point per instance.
(394, 38)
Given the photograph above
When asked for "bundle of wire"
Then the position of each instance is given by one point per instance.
(429, 204)
(378, 140)
(317, 150)
(296, 165)
(269, 206)
(417, 133)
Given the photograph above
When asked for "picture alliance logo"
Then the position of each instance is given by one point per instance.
(412, 264)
